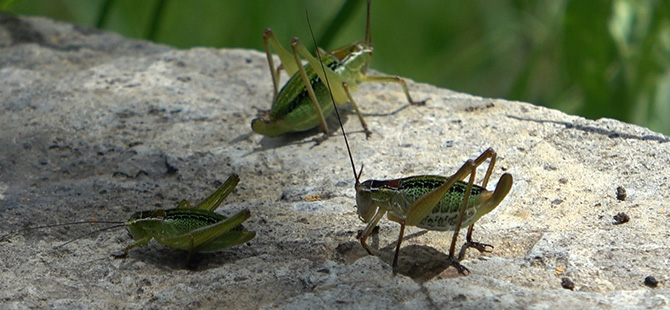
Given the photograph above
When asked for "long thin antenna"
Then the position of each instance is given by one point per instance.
(332, 98)
(91, 233)
(368, 36)
(117, 224)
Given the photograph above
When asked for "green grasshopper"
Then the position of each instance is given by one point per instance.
(428, 201)
(432, 202)
(305, 102)
(189, 228)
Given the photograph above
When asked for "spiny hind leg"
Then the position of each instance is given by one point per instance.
(487, 154)
(502, 189)
(424, 205)
(337, 86)
(297, 48)
(214, 200)
(453, 260)
(288, 64)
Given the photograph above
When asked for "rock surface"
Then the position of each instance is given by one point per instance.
(94, 125)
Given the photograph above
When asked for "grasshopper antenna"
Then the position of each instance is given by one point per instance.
(368, 37)
(337, 111)
(117, 224)
(120, 224)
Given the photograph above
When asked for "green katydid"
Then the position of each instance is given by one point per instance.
(432, 202)
(428, 201)
(189, 228)
(304, 101)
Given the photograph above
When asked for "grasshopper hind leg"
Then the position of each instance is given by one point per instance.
(453, 260)
(503, 187)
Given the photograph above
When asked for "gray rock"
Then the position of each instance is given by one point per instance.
(96, 125)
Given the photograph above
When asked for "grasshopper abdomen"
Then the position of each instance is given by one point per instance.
(444, 216)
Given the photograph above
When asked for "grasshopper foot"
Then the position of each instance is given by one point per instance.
(318, 140)
(481, 247)
(120, 256)
(419, 103)
(368, 133)
(460, 268)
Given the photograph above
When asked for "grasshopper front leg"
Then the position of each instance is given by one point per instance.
(368, 229)
(138, 243)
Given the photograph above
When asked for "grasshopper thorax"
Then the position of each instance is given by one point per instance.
(152, 214)
(354, 57)
(372, 194)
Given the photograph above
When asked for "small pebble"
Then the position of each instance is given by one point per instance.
(650, 281)
(621, 218)
(620, 193)
(460, 297)
(567, 284)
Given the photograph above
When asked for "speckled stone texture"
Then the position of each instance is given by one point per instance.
(93, 125)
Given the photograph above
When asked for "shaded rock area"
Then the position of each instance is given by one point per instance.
(94, 125)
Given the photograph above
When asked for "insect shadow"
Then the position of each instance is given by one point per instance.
(419, 262)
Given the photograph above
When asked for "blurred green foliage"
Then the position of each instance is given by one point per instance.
(596, 58)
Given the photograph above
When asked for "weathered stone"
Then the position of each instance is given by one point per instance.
(95, 125)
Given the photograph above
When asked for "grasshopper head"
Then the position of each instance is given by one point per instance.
(137, 223)
(364, 203)
(356, 57)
